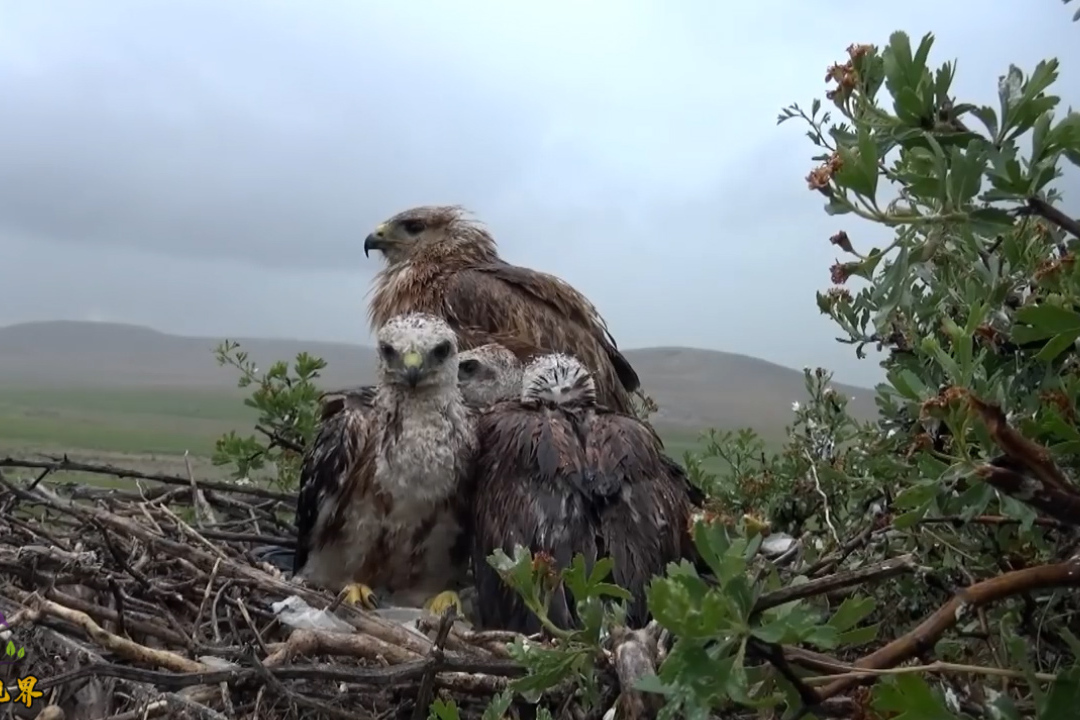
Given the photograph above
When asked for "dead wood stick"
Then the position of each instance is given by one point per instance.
(99, 612)
(832, 583)
(128, 649)
(65, 465)
(359, 645)
(635, 651)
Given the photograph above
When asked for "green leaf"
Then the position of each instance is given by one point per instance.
(859, 636)
(910, 697)
(440, 710)
(897, 65)
(868, 160)
(908, 519)
(498, 706)
(1049, 318)
(991, 220)
(1057, 345)
(835, 207)
(21, 654)
(652, 683)
(988, 117)
(1063, 699)
(851, 611)
(1003, 708)
(10, 649)
(853, 173)
(1009, 91)
(966, 174)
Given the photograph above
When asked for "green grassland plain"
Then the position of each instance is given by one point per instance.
(148, 429)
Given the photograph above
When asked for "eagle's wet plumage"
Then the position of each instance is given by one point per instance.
(489, 373)
(556, 472)
(383, 500)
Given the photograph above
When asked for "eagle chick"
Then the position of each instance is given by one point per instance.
(488, 374)
(557, 472)
(382, 505)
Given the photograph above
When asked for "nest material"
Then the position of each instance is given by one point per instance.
(126, 610)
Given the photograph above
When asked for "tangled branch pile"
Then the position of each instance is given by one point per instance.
(126, 610)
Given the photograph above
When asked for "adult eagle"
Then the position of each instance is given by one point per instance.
(560, 474)
(440, 262)
(383, 486)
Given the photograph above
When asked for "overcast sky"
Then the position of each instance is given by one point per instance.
(212, 168)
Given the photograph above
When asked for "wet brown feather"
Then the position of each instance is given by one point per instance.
(529, 492)
(463, 280)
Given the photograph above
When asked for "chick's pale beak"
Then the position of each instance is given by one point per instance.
(413, 363)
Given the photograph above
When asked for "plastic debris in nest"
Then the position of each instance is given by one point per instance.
(297, 614)
(776, 545)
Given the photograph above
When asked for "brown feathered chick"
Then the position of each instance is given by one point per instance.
(557, 473)
(488, 374)
(442, 263)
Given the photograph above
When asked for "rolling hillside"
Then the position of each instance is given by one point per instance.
(695, 388)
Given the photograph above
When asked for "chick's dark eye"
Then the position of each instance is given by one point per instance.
(413, 227)
(441, 350)
(468, 367)
(386, 351)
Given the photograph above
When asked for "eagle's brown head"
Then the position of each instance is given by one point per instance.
(558, 379)
(432, 231)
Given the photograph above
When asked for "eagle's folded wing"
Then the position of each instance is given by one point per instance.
(528, 473)
(326, 461)
(645, 526)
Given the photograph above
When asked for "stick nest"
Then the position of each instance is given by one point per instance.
(149, 603)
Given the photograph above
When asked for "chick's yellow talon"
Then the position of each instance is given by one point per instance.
(360, 594)
(438, 604)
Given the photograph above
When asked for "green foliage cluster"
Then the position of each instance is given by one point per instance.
(975, 304)
(287, 399)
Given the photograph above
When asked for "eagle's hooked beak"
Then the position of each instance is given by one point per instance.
(376, 240)
(413, 363)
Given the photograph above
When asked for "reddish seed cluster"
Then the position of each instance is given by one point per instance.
(846, 76)
(842, 241)
(1049, 269)
(820, 176)
(1060, 402)
(944, 399)
(840, 272)
(838, 294)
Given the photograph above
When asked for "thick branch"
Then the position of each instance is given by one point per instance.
(925, 636)
(1038, 206)
(1026, 471)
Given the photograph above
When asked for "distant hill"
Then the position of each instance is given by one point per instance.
(694, 388)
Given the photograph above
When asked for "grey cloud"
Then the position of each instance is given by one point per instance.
(212, 168)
